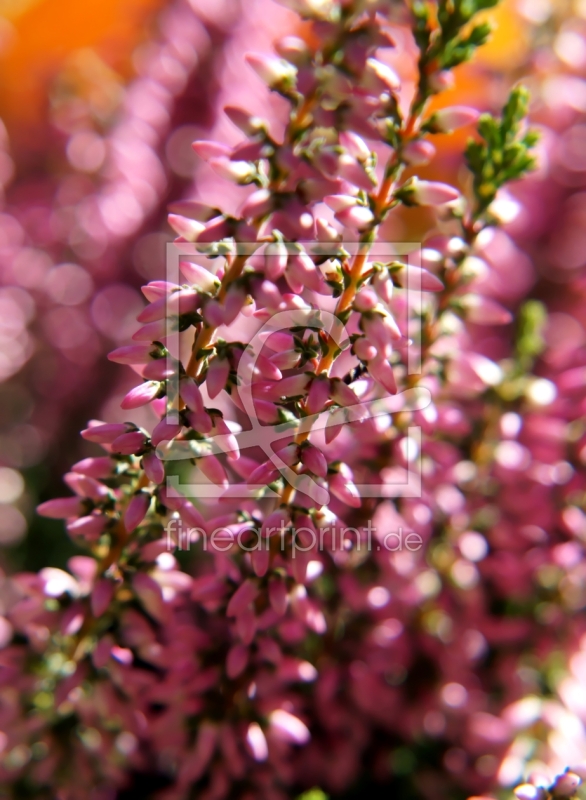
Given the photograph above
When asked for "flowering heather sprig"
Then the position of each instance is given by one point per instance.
(210, 673)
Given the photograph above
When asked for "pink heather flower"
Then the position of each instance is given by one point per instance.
(191, 395)
(258, 204)
(88, 528)
(430, 193)
(217, 376)
(288, 727)
(387, 76)
(410, 275)
(157, 289)
(136, 511)
(419, 153)
(153, 467)
(213, 470)
(165, 431)
(61, 508)
(101, 596)
(152, 331)
(382, 372)
(266, 411)
(236, 171)
(100, 467)
(105, 432)
(129, 443)
(189, 229)
(207, 150)
(358, 217)
(355, 145)
(352, 171)
(278, 595)
(257, 743)
(199, 276)
(276, 256)
(365, 300)
(242, 598)
(132, 354)
(318, 395)
(159, 370)
(273, 71)
(236, 660)
(314, 460)
(342, 486)
(454, 117)
(364, 350)
(141, 395)
(340, 202)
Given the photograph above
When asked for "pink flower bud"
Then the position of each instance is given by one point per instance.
(157, 289)
(431, 193)
(191, 395)
(267, 369)
(236, 660)
(233, 304)
(88, 528)
(257, 744)
(214, 314)
(129, 443)
(381, 371)
(278, 595)
(288, 727)
(101, 597)
(276, 523)
(189, 229)
(383, 285)
(365, 300)
(352, 171)
(207, 150)
(364, 350)
(136, 511)
(160, 369)
(264, 474)
(257, 205)
(213, 470)
(149, 593)
(314, 460)
(165, 431)
(153, 331)
(231, 447)
(387, 76)
(340, 202)
(217, 376)
(191, 516)
(276, 256)
(358, 217)
(325, 232)
(216, 229)
(318, 395)
(260, 559)
(275, 72)
(236, 171)
(292, 386)
(84, 486)
(141, 395)
(344, 489)
(266, 411)
(199, 276)
(450, 119)
(132, 354)
(381, 330)
(418, 153)
(248, 124)
(242, 598)
(334, 425)
(442, 81)
(153, 467)
(406, 275)
(355, 145)
(61, 508)
(302, 268)
(94, 467)
(105, 433)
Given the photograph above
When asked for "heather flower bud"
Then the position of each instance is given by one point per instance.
(349, 169)
(278, 595)
(314, 460)
(452, 118)
(213, 470)
(364, 350)
(264, 474)
(275, 260)
(153, 331)
(236, 660)
(191, 395)
(207, 150)
(159, 370)
(258, 204)
(257, 744)
(189, 229)
(242, 598)
(214, 314)
(294, 50)
(381, 371)
(237, 171)
(153, 467)
(407, 274)
(164, 431)
(105, 433)
(380, 329)
(358, 217)
(199, 276)
(318, 395)
(288, 727)
(365, 300)
(387, 76)
(141, 395)
(101, 597)
(418, 153)
(89, 528)
(355, 145)
(136, 511)
(415, 192)
(129, 443)
(248, 124)
(217, 376)
(133, 354)
(340, 202)
(325, 232)
(275, 72)
(342, 486)
(266, 411)
(100, 467)
(157, 289)
(61, 508)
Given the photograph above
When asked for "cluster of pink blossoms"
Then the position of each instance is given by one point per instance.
(304, 636)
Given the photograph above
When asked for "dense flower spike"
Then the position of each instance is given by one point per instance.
(262, 609)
